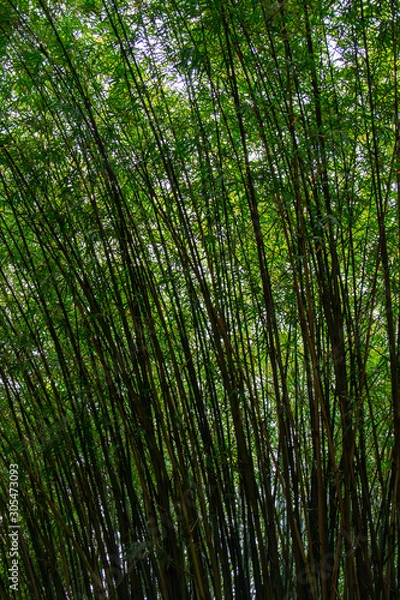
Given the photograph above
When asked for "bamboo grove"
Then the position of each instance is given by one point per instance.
(199, 298)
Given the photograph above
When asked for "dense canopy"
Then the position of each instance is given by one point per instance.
(200, 299)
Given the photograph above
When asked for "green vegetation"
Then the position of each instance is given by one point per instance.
(199, 298)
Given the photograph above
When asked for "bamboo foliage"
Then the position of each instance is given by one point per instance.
(199, 298)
